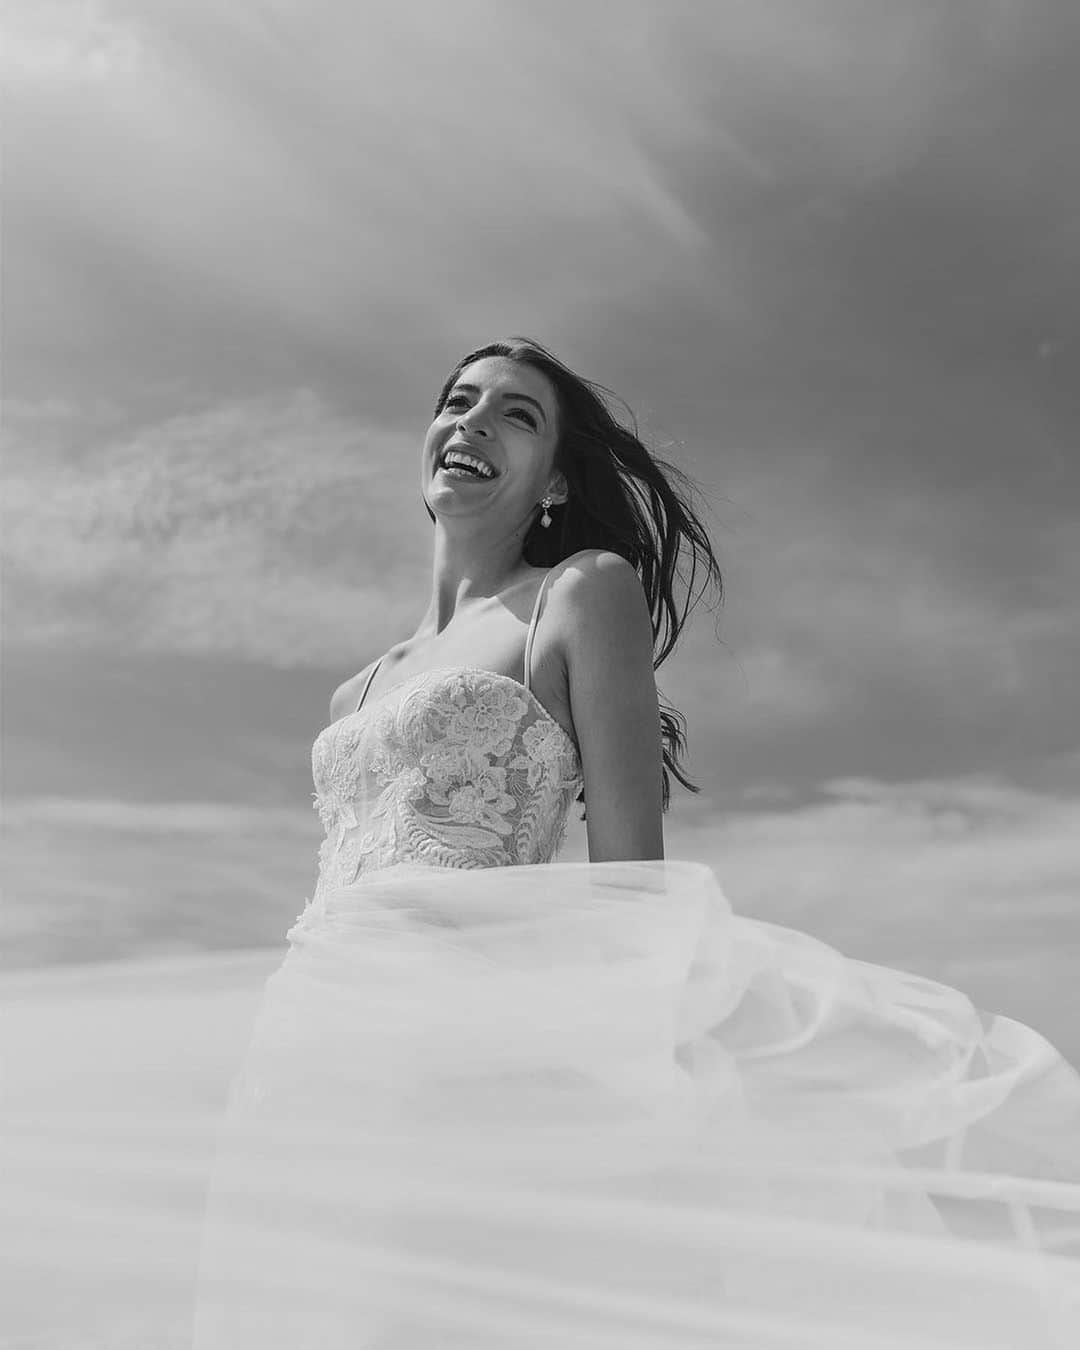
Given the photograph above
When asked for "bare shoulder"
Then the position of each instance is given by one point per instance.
(599, 622)
(597, 596)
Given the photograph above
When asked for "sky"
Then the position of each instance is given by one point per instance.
(825, 249)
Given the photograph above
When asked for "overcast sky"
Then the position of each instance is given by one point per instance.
(826, 250)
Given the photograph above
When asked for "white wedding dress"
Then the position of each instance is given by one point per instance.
(496, 1101)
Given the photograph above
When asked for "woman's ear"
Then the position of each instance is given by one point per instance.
(558, 489)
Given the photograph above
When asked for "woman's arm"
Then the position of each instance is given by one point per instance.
(607, 641)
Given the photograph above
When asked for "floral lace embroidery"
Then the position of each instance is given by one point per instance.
(459, 768)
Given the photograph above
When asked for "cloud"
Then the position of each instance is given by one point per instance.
(904, 860)
(54, 43)
(328, 181)
(246, 530)
(140, 878)
(859, 636)
(325, 188)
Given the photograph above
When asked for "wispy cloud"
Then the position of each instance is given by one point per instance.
(204, 196)
(133, 878)
(245, 531)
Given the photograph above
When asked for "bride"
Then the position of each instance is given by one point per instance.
(494, 1100)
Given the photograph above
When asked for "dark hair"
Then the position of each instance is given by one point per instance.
(623, 499)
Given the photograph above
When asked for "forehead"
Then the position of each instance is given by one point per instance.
(499, 375)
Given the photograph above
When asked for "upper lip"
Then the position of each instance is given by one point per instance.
(466, 450)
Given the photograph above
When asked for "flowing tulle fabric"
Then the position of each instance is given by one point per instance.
(561, 1105)
(587, 1106)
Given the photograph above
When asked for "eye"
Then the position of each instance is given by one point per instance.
(530, 420)
(455, 400)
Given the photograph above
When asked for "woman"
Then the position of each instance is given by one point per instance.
(495, 1101)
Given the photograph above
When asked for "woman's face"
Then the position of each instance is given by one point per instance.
(503, 416)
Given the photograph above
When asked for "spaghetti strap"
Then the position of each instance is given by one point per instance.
(367, 683)
(532, 628)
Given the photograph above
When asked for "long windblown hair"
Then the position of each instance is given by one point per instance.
(624, 499)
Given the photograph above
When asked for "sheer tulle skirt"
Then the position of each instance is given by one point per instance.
(587, 1106)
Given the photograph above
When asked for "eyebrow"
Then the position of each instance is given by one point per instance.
(517, 398)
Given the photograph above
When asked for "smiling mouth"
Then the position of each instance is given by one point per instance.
(458, 464)
(466, 475)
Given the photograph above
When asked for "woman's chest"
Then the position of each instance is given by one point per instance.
(497, 648)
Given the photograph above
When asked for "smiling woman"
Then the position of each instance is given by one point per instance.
(494, 1100)
(560, 446)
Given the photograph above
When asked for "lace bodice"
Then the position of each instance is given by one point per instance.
(454, 768)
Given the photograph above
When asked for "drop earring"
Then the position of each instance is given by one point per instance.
(545, 519)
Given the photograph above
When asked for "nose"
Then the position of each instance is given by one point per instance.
(473, 422)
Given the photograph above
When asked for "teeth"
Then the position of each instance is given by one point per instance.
(456, 457)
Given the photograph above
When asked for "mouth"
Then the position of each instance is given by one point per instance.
(465, 465)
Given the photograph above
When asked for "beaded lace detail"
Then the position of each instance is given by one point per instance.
(454, 768)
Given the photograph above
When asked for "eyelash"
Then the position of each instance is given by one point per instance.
(530, 420)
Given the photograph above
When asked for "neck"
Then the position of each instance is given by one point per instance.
(467, 569)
